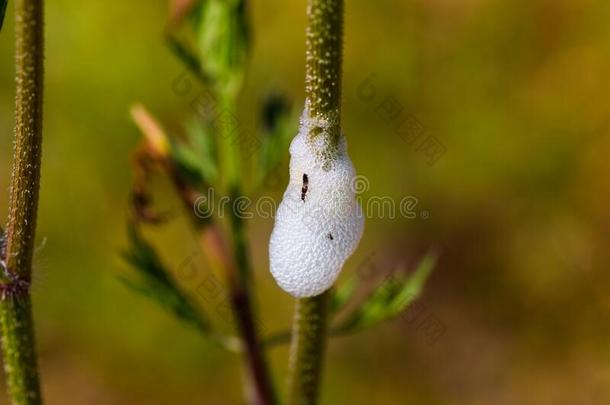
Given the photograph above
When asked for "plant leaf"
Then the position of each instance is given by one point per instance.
(196, 158)
(343, 294)
(279, 127)
(187, 56)
(413, 288)
(388, 299)
(155, 283)
(223, 41)
(3, 4)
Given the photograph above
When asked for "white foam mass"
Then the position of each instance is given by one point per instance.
(319, 222)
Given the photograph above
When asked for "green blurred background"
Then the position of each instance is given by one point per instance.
(515, 91)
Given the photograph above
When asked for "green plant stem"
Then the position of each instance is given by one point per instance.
(323, 64)
(240, 277)
(246, 318)
(307, 349)
(18, 350)
(229, 131)
(258, 370)
(238, 273)
(17, 328)
(236, 266)
(25, 182)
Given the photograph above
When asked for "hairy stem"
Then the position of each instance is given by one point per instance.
(324, 49)
(18, 350)
(307, 349)
(323, 63)
(17, 328)
(25, 180)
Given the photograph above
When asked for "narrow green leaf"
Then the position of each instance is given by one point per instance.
(3, 4)
(155, 283)
(413, 288)
(343, 294)
(188, 57)
(188, 163)
(203, 142)
(223, 40)
(279, 128)
(388, 299)
(196, 158)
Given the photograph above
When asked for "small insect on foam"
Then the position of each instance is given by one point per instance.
(305, 186)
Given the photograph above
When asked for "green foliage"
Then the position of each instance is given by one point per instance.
(391, 297)
(196, 158)
(155, 283)
(223, 42)
(279, 127)
(210, 37)
(3, 4)
(187, 57)
(212, 40)
(386, 301)
(344, 294)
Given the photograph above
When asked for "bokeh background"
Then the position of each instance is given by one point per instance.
(516, 92)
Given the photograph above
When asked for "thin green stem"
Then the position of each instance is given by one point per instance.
(307, 349)
(28, 136)
(323, 64)
(15, 308)
(240, 283)
(18, 350)
(245, 315)
(237, 268)
(324, 54)
(262, 392)
(229, 131)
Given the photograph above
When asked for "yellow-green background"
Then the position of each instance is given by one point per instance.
(517, 91)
